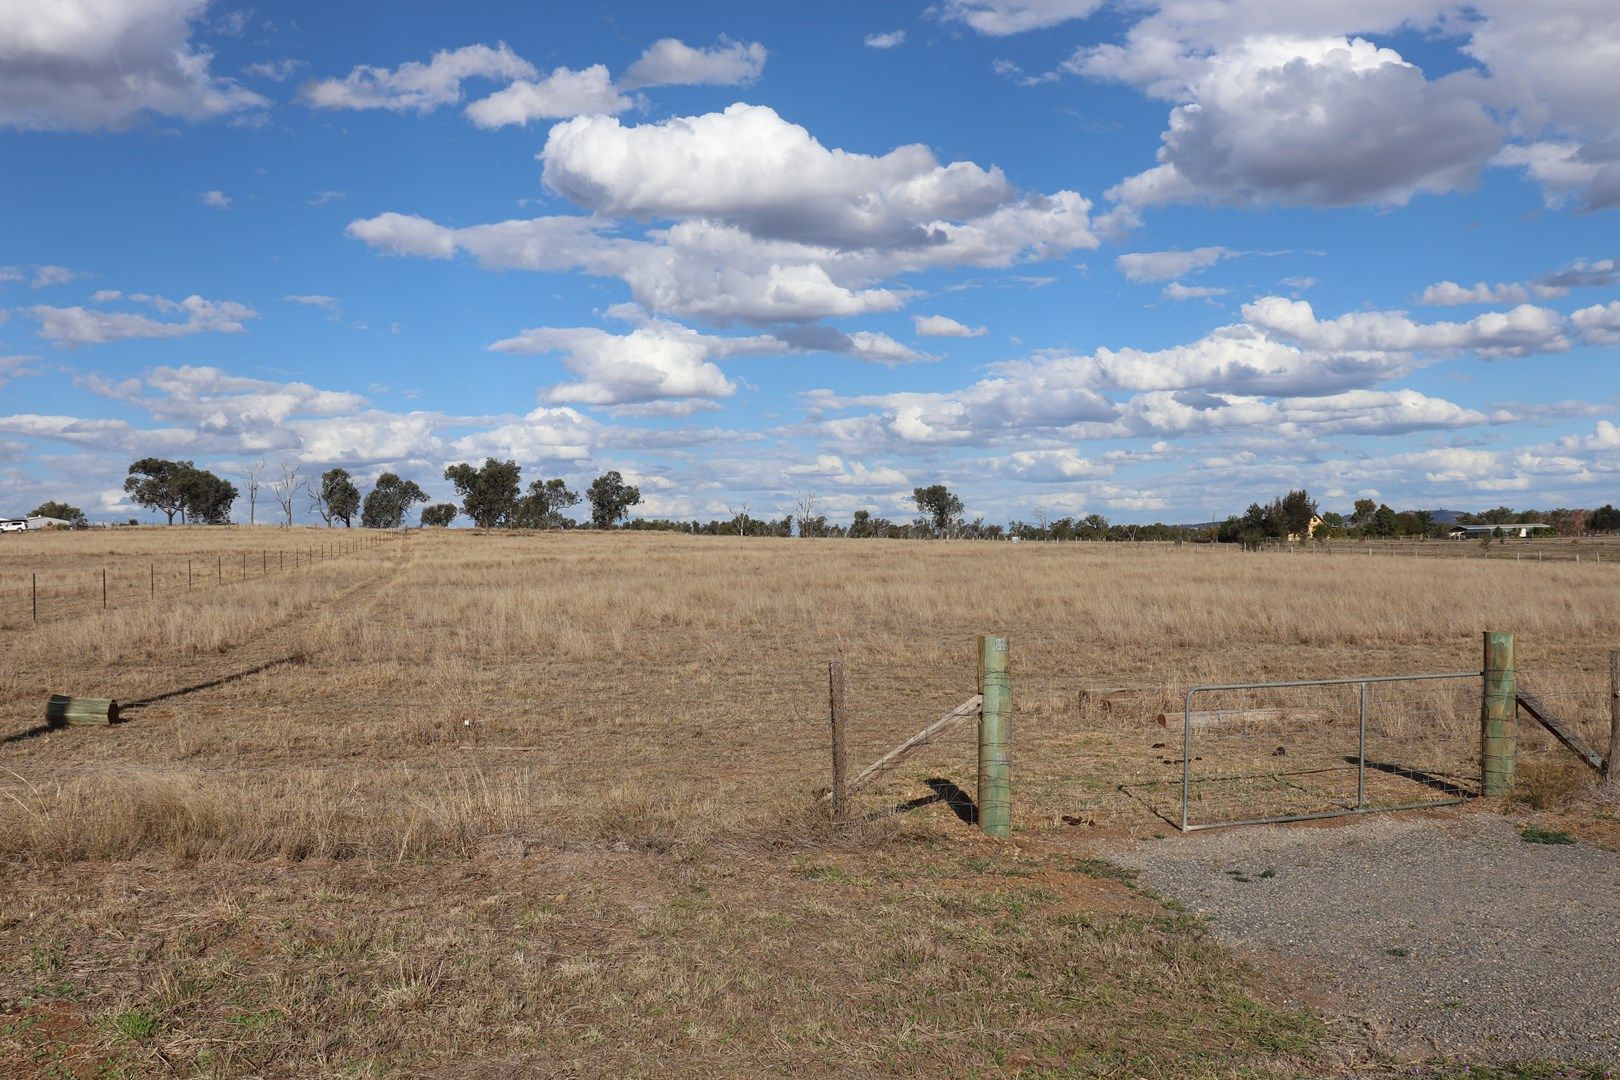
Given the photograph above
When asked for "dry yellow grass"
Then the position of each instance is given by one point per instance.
(652, 708)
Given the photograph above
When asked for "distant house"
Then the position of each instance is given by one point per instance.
(1310, 530)
(39, 521)
(1520, 530)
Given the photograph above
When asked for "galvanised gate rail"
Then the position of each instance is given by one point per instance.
(1362, 685)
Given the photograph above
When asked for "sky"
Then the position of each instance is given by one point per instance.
(1148, 260)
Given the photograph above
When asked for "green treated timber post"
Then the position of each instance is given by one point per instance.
(995, 737)
(62, 710)
(1498, 737)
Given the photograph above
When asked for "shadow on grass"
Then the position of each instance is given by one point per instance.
(944, 791)
(295, 658)
(28, 733)
(1427, 779)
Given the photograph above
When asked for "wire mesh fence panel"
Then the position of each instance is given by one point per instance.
(1272, 752)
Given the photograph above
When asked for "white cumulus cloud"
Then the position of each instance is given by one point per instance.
(564, 92)
(672, 62)
(945, 326)
(82, 65)
(1177, 291)
(999, 18)
(71, 326)
(659, 360)
(751, 219)
(417, 86)
(1140, 266)
(1272, 120)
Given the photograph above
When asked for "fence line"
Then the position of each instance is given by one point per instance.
(1452, 550)
(32, 600)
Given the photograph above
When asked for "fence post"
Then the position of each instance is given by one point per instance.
(1498, 739)
(103, 588)
(1611, 775)
(219, 569)
(995, 724)
(188, 573)
(36, 597)
(152, 571)
(835, 710)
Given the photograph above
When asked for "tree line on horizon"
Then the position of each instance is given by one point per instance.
(492, 496)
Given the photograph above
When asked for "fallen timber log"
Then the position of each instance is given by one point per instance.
(61, 710)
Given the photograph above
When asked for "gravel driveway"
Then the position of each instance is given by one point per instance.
(1446, 935)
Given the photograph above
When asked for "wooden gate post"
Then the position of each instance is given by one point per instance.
(1498, 737)
(835, 709)
(995, 735)
(1611, 774)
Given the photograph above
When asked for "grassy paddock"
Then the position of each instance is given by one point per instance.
(550, 794)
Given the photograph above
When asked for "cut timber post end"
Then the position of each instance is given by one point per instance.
(61, 710)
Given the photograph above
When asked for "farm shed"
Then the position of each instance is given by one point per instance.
(1520, 530)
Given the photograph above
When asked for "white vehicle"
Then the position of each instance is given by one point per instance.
(14, 525)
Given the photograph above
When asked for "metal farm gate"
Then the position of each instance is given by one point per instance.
(1259, 753)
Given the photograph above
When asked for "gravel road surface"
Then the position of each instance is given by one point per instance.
(1443, 935)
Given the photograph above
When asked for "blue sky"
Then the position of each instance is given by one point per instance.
(1152, 261)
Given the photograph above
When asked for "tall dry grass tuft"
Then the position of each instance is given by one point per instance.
(312, 814)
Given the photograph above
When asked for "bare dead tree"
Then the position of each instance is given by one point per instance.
(252, 480)
(318, 504)
(740, 516)
(286, 487)
(806, 504)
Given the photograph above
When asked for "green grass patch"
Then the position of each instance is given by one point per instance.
(1535, 834)
(133, 1024)
(1102, 868)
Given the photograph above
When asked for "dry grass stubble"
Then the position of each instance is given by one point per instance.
(583, 726)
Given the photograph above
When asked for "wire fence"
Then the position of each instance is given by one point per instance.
(44, 595)
(1516, 551)
(1082, 753)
